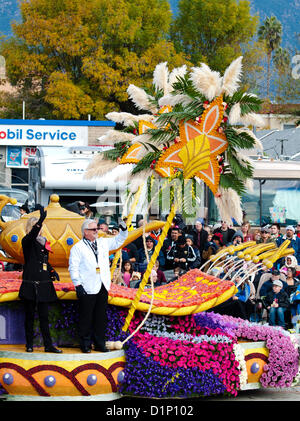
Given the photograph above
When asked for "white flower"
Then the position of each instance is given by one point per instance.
(239, 355)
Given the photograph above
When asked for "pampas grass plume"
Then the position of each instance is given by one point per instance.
(206, 81)
(231, 78)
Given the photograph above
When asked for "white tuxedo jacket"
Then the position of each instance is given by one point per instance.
(83, 264)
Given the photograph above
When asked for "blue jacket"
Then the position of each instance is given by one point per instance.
(294, 243)
(243, 293)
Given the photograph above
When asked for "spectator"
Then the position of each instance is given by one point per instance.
(226, 231)
(245, 228)
(177, 273)
(143, 262)
(275, 232)
(178, 222)
(135, 280)
(169, 242)
(127, 270)
(212, 247)
(115, 230)
(298, 229)
(290, 262)
(236, 305)
(292, 286)
(257, 235)
(277, 302)
(265, 235)
(180, 253)
(133, 253)
(267, 286)
(161, 279)
(199, 235)
(294, 241)
(237, 238)
(24, 210)
(117, 278)
(103, 226)
(193, 254)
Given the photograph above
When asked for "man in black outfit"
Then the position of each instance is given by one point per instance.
(37, 288)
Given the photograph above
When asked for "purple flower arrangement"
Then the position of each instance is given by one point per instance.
(187, 356)
(194, 355)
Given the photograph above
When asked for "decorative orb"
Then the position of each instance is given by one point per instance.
(254, 368)
(70, 241)
(8, 378)
(231, 250)
(92, 379)
(118, 345)
(49, 381)
(121, 377)
(54, 198)
(268, 263)
(240, 255)
(255, 259)
(14, 238)
(247, 257)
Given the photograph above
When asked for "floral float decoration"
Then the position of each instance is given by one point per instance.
(189, 132)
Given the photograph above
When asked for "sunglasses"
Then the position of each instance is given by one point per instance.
(92, 229)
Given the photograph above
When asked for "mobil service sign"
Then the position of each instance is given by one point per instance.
(34, 134)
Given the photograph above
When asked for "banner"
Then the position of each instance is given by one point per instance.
(17, 157)
(17, 135)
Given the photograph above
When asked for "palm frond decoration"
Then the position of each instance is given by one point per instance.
(184, 106)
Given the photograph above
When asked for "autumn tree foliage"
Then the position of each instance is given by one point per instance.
(214, 31)
(72, 58)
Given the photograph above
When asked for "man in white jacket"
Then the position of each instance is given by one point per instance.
(90, 273)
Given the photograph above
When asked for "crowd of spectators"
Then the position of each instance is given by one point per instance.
(267, 295)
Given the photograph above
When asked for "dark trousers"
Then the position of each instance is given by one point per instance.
(42, 309)
(93, 318)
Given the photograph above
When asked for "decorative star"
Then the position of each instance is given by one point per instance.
(200, 144)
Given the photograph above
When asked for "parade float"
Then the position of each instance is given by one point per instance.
(164, 341)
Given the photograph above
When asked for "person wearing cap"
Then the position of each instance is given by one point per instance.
(294, 241)
(103, 226)
(277, 302)
(135, 280)
(150, 246)
(237, 238)
(265, 235)
(177, 255)
(199, 235)
(274, 276)
(169, 246)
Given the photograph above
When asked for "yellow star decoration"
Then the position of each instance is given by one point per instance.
(200, 144)
(132, 154)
